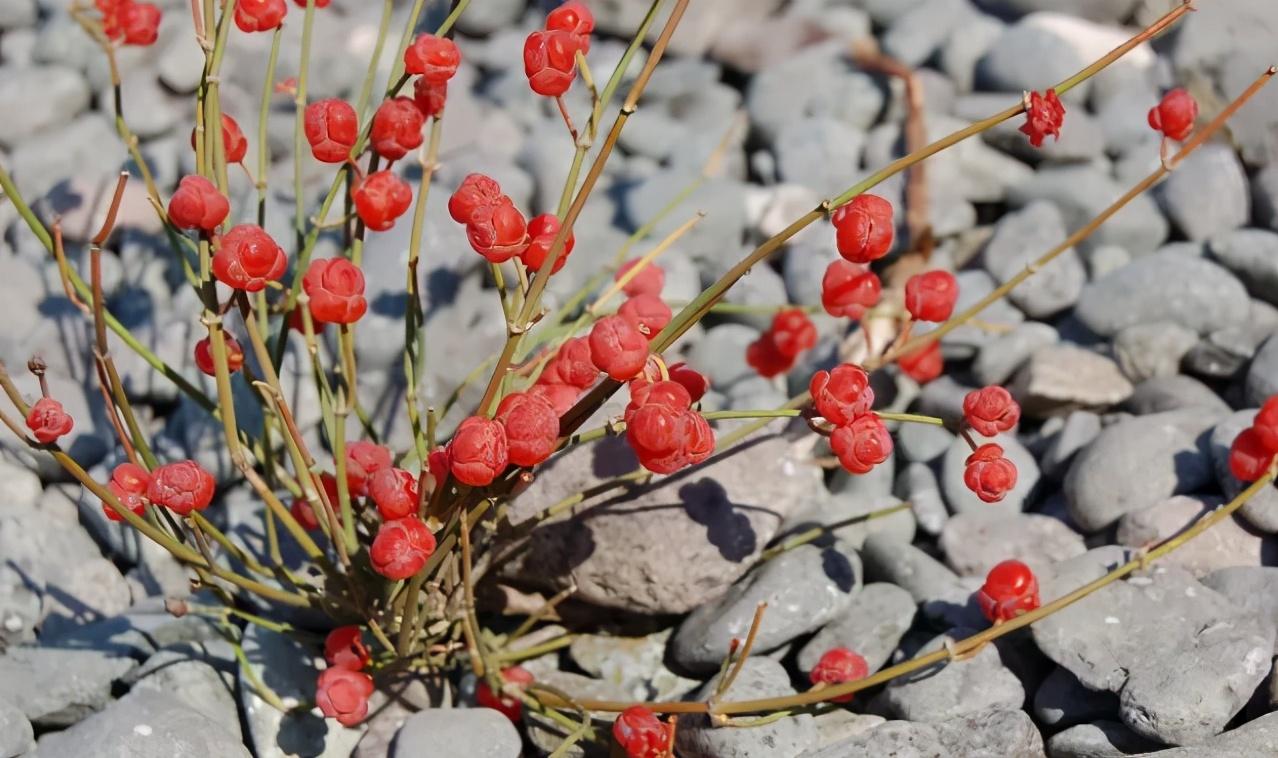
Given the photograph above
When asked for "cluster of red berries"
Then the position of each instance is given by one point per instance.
(1253, 450)
(843, 397)
(494, 226)
(989, 411)
(181, 487)
(514, 679)
(48, 420)
(550, 55)
(839, 665)
(342, 690)
(662, 428)
(1044, 115)
(130, 23)
(776, 350)
(1010, 589)
(640, 734)
(265, 15)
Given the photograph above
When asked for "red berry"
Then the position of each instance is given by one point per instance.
(335, 287)
(130, 500)
(1249, 456)
(692, 380)
(930, 296)
(640, 733)
(139, 23)
(648, 280)
(318, 3)
(381, 198)
(793, 332)
(923, 364)
(344, 648)
(839, 665)
(128, 483)
(204, 356)
(247, 258)
(666, 438)
(433, 58)
(181, 487)
(541, 233)
(513, 678)
(561, 397)
(573, 17)
(862, 444)
(550, 61)
(572, 365)
(989, 474)
(532, 427)
(332, 128)
(473, 198)
(343, 694)
(499, 233)
(363, 459)
(197, 204)
(863, 229)
(259, 15)
(843, 394)
(48, 421)
(395, 492)
(397, 128)
(430, 98)
(618, 348)
(763, 356)
(304, 514)
(1174, 115)
(648, 313)
(234, 143)
(1010, 589)
(667, 394)
(848, 289)
(401, 548)
(1266, 423)
(1044, 116)
(478, 452)
(991, 410)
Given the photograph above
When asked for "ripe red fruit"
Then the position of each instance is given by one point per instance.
(1249, 455)
(930, 296)
(181, 487)
(332, 128)
(433, 58)
(304, 514)
(843, 394)
(473, 198)
(641, 734)
(344, 648)
(550, 61)
(649, 280)
(839, 665)
(477, 453)
(573, 17)
(1266, 423)
(863, 229)
(666, 393)
(498, 232)
(128, 483)
(48, 421)
(395, 492)
(197, 204)
(848, 289)
(665, 434)
(317, 3)
(793, 332)
(989, 474)
(397, 128)
(343, 694)
(532, 427)
(541, 233)
(430, 98)
(234, 143)
(572, 365)
(1010, 589)
(617, 347)
(991, 410)
(381, 198)
(204, 356)
(923, 364)
(763, 356)
(247, 258)
(259, 15)
(692, 380)
(513, 678)
(401, 548)
(139, 23)
(561, 397)
(363, 459)
(335, 287)
(1174, 115)
(862, 444)
(648, 313)
(130, 500)
(1044, 116)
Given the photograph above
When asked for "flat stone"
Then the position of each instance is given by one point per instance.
(1081, 192)
(1062, 378)
(999, 359)
(1262, 375)
(1229, 543)
(1261, 511)
(962, 500)
(917, 485)
(633, 663)
(1019, 239)
(1062, 701)
(975, 542)
(56, 687)
(1207, 194)
(872, 625)
(784, 738)
(63, 95)
(1164, 287)
(1249, 587)
(938, 590)
(1169, 393)
(1078, 431)
(1144, 351)
(818, 153)
(957, 688)
(1100, 739)
(16, 736)
(1008, 733)
(1252, 255)
(1257, 737)
(923, 443)
(457, 733)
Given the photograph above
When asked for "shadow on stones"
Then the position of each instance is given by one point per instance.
(301, 733)
(706, 502)
(839, 569)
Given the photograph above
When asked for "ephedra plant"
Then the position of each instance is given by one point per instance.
(393, 536)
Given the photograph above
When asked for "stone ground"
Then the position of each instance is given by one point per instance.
(1137, 357)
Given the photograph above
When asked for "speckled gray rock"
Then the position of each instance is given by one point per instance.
(817, 153)
(1136, 463)
(808, 586)
(632, 663)
(1006, 733)
(1250, 587)
(961, 499)
(1169, 393)
(1229, 543)
(957, 688)
(1062, 701)
(973, 542)
(1262, 374)
(786, 738)
(1264, 197)
(1082, 192)
(16, 736)
(722, 354)
(940, 593)
(1169, 286)
(1207, 194)
(999, 359)
(872, 625)
(1152, 349)
(1261, 511)
(1258, 737)
(1121, 637)
(181, 675)
(917, 485)
(1099, 739)
(1061, 378)
(1021, 237)
(922, 443)
(57, 687)
(63, 94)
(457, 733)
(1078, 431)
(1252, 254)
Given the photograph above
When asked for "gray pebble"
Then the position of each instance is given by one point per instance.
(1082, 192)
(1250, 587)
(1252, 255)
(63, 94)
(785, 738)
(1227, 544)
(1061, 378)
(16, 736)
(1003, 733)
(1262, 375)
(917, 485)
(1099, 739)
(975, 542)
(999, 359)
(58, 687)
(1078, 431)
(1170, 393)
(1019, 239)
(1152, 349)
(1207, 194)
(872, 625)
(957, 688)
(457, 733)
(821, 153)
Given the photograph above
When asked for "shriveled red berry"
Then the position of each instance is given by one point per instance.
(1249, 455)
(247, 258)
(849, 289)
(430, 98)
(1175, 114)
(617, 347)
(204, 356)
(234, 143)
(561, 397)
(862, 444)
(573, 17)
(1010, 589)
(304, 514)
(499, 234)
(473, 198)
(139, 23)
(666, 393)
(344, 648)
(692, 380)
(478, 452)
(931, 295)
(648, 280)
(648, 313)
(130, 500)
(397, 128)
(763, 356)
(381, 198)
(401, 548)
(541, 235)
(259, 15)
(128, 483)
(48, 421)
(514, 678)
(793, 332)
(181, 487)
(863, 229)
(841, 395)
(991, 410)
(923, 364)
(641, 734)
(1266, 423)
(839, 665)
(394, 491)
(434, 59)
(550, 61)
(573, 365)
(335, 287)
(988, 474)
(532, 427)
(363, 459)
(197, 204)
(343, 694)
(1044, 116)
(332, 128)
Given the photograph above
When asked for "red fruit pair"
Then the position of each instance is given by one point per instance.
(550, 56)
(663, 430)
(931, 295)
(128, 483)
(531, 426)
(343, 694)
(198, 204)
(434, 59)
(259, 15)
(181, 487)
(991, 410)
(494, 227)
(1253, 451)
(234, 143)
(777, 349)
(863, 229)
(862, 444)
(513, 678)
(48, 421)
(988, 474)
(204, 356)
(1010, 589)
(395, 493)
(641, 734)
(1174, 115)
(344, 648)
(839, 665)
(401, 548)
(397, 128)
(566, 375)
(842, 395)
(649, 280)
(363, 460)
(1043, 116)
(335, 287)
(332, 128)
(247, 258)
(849, 289)
(381, 198)
(542, 231)
(692, 380)
(430, 98)
(129, 22)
